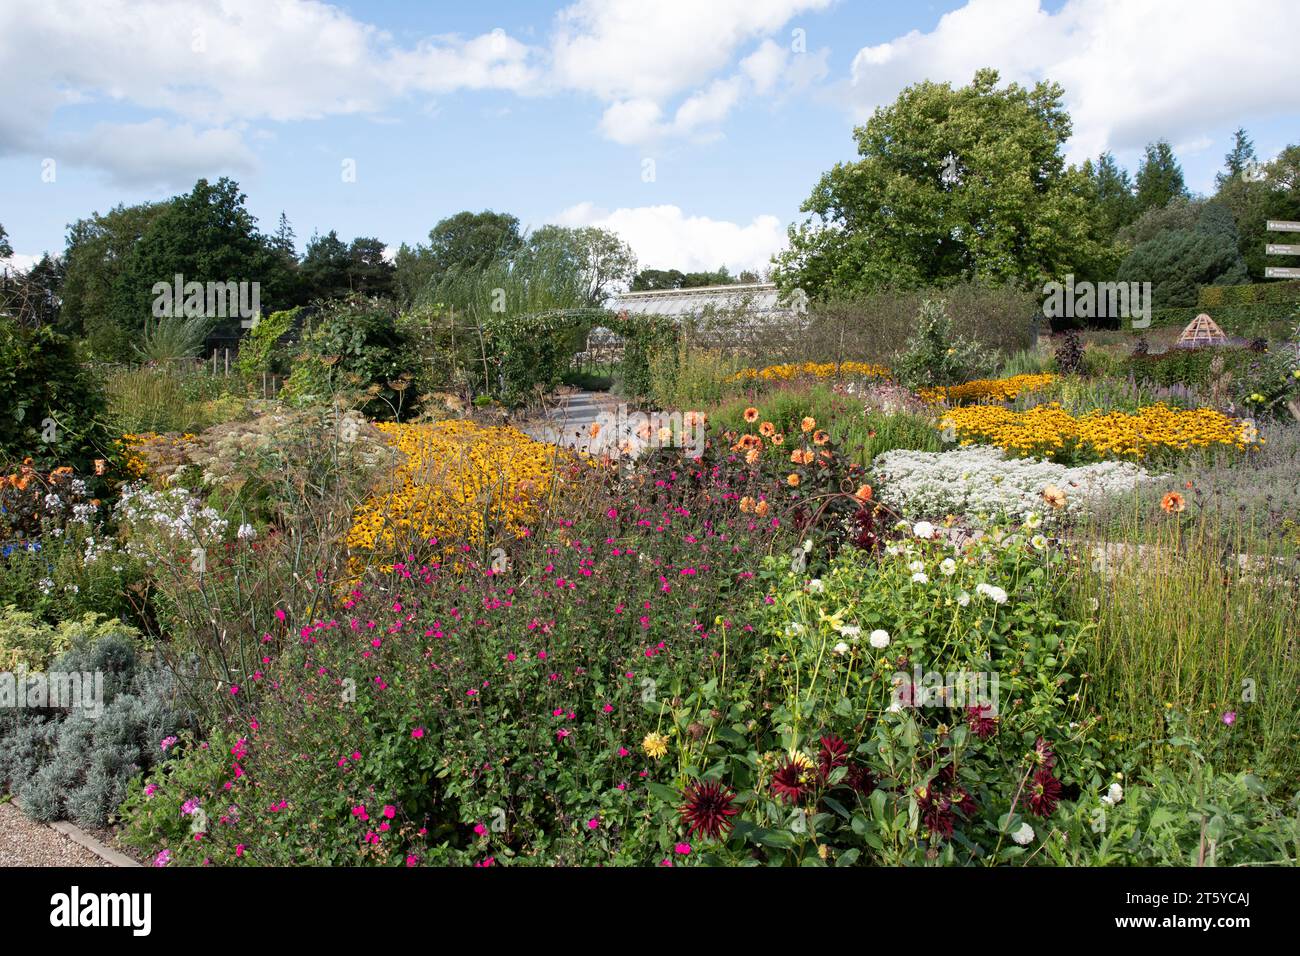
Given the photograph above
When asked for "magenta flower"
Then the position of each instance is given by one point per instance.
(1230, 717)
(417, 733)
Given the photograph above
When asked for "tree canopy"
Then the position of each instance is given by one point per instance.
(951, 184)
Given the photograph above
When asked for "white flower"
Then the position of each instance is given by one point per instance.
(841, 648)
(807, 546)
(851, 631)
(963, 599)
(992, 592)
(1115, 794)
(1033, 520)
(1039, 542)
(916, 566)
(1025, 835)
(816, 586)
(923, 529)
(246, 532)
(879, 639)
(920, 578)
(794, 629)
(948, 566)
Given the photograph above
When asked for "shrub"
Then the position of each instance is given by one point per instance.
(934, 356)
(354, 345)
(76, 763)
(262, 349)
(55, 406)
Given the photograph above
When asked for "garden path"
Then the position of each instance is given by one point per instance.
(25, 843)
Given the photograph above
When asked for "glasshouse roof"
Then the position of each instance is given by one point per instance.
(753, 297)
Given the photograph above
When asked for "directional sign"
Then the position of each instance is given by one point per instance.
(1276, 272)
(1276, 249)
(1283, 225)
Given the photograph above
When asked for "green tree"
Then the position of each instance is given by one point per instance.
(325, 267)
(1275, 194)
(207, 235)
(1116, 203)
(1238, 159)
(1178, 261)
(465, 241)
(6, 250)
(95, 257)
(951, 184)
(599, 259)
(1159, 178)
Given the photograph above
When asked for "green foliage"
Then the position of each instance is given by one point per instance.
(1178, 261)
(171, 338)
(935, 356)
(354, 345)
(206, 235)
(965, 183)
(53, 405)
(648, 341)
(260, 349)
(77, 763)
(98, 250)
(1159, 177)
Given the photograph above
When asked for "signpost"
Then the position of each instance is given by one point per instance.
(1281, 249)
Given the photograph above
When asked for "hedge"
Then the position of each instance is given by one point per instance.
(1259, 293)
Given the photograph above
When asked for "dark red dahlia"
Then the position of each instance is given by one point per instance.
(708, 810)
(962, 801)
(1043, 755)
(936, 812)
(834, 753)
(1044, 793)
(981, 724)
(792, 780)
(860, 779)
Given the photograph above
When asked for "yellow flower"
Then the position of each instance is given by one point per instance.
(808, 424)
(655, 744)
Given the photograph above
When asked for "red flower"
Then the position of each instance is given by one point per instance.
(834, 753)
(1044, 793)
(708, 808)
(792, 780)
(1043, 755)
(981, 726)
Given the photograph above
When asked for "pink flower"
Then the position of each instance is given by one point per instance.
(593, 823)
(150, 790)
(480, 829)
(163, 858)
(1230, 717)
(239, 849)
(683, 849)
(390, 811)
(279, 615)
(608, 708)
(417, 733)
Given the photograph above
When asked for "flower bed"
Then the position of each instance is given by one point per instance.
(1050, 431)
(984, 481)
(987, 389)
(814, 370)
(459, 484)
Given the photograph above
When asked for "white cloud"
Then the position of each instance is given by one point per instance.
(624, 49)
(663, 237)
(18, 262)
(638, 56)
(1132, 71)
(154, 153)
(217, 64)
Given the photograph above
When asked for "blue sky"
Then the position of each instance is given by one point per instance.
(554, 111)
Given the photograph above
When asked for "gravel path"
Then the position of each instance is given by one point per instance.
(24, 843)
